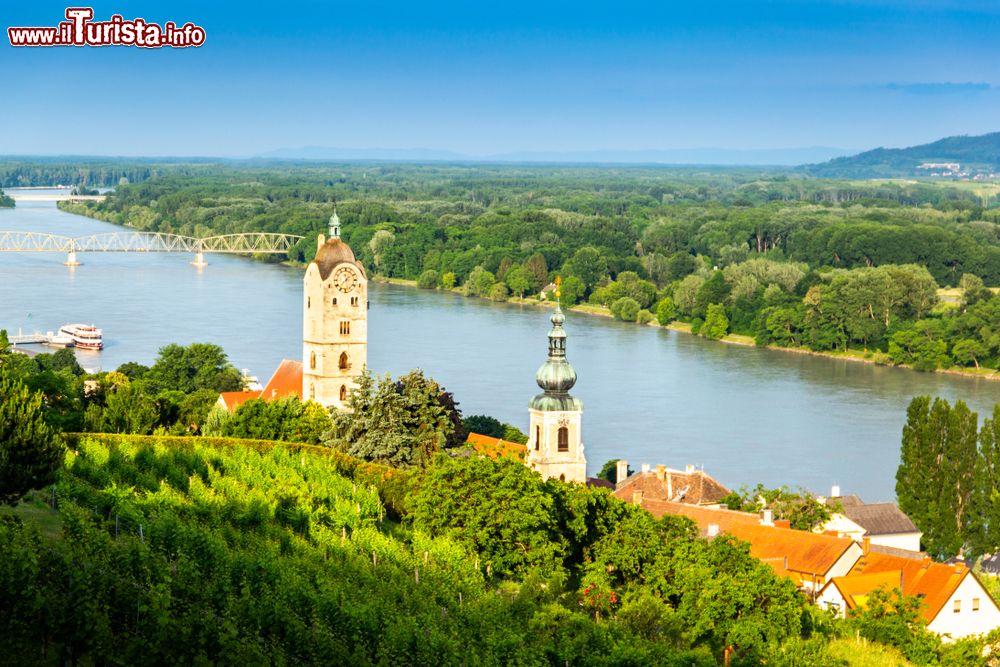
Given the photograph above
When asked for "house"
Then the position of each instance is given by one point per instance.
(808, 559)
(286, 381)
(956, 604)
(692, 486)
(884, 524)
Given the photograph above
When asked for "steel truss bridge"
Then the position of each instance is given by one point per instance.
(234, 244)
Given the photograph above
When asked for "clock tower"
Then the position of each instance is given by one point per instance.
(335, 322)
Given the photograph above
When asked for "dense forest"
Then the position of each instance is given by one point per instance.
(831, 266)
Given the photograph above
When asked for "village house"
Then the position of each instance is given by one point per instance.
(884, 524)
(956, 604)
(691, 486)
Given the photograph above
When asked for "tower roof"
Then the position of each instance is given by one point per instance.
(556, 376)
(332, 253)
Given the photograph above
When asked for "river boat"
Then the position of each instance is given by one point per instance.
(59, 340)
(84, 336)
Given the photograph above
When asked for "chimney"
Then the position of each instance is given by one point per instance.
(866, 545)
(637, 497)
(670, 487)
(645, 467)
(713, 529)
(621, 471)
(689, 469)
(320, 240)
(767, 517)
(661, 471)
(835, 491)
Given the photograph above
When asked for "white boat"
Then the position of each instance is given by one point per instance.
(84, 336)
(59, 340)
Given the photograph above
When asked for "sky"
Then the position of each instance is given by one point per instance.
(489, 78)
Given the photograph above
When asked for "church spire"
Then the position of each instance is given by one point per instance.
(556, 376)
(334, 224)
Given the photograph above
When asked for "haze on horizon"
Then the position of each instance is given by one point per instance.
(483, 80)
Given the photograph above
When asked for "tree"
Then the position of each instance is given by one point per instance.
(428, 279)
(587, 264)
(498, 292)
(448, 280)
(495, 508)
(968, 351)
(30, 451)
(716, 324)
(188, 369)
(399, 423)
(129, 410)
(625, 309)
(518, 280)
(571, 291)
(665, 311)
(479, 282)
(484, 425)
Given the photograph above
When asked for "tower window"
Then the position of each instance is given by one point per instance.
(312, 391)
(562, 478)
(354, 300)
(343, 361)
(334, 301)
(345, 328)
(538, 437)
(312, 360)
(343, 393)
(309, 301)
(563, 439)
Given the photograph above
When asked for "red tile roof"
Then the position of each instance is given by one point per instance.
(796, 553)
(286, 381)
(855, 589)
(933, 582)
(496, 447)
(695, 487)
(234, 399)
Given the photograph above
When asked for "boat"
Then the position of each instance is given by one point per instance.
(59, 340)
(85, 336)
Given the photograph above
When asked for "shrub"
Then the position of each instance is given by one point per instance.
(716, 323)
(625, 309)
(448, 280)
(665, 311)
(644, 317)
(498, 292)
(428, 279)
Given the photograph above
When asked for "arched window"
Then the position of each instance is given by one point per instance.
(343, 392)
(343, 361)
(538, 437)
(354, 300)
(563, 439)
(334, 301)
(562, 478)
(312, 360)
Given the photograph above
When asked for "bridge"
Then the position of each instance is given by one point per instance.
(234, 244)
(67, 197)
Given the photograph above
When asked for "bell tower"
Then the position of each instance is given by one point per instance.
(335, 322)
(555, 438)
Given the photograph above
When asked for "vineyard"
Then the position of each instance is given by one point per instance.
(196, 551)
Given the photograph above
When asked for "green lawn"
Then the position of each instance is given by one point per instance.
(34, 510)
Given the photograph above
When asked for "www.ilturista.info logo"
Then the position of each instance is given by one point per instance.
(80, 30)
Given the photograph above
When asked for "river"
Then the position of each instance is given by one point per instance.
(651, 396)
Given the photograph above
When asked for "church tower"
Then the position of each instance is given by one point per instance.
(555, 444)
(335, 322)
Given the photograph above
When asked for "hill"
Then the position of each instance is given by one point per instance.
(975, 155)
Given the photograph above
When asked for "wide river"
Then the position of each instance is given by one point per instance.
(651, 396)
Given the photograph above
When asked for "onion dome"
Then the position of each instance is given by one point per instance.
(556, 377)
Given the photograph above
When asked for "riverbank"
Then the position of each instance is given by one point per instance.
(861, 356)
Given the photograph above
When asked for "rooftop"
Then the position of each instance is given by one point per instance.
(286, 381)
(695, 487)
(933, 582)
(496, 447)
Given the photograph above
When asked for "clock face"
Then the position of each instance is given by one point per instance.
(344, 279)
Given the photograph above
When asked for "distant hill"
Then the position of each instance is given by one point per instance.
(976, 155)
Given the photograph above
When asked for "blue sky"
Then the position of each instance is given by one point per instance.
(485, 78)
